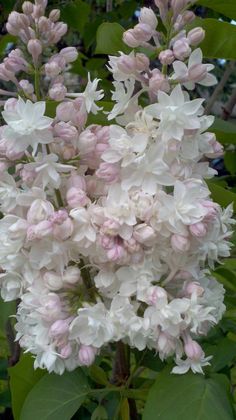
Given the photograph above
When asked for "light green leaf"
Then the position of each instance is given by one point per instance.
(227, 8)
(189, 396)
(56, 397)
(98, 375)
(221, 195)
(109, 39)
(220, 40)
(124, 410)
(22, 379)
(230, 162)
(76, 14)
(225, 131)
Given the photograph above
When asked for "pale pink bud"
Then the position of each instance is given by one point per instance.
(107, 242)
(181, 49)
(198, 229)
(52, 69)
(53, 280)
(154, 294)
(143, 32)
(166, 57)
(130, 39)
(197, 72)
(57, 92)
(40, 230)
(72, 275)
(3, 167)
(148, 16)
(65, 111)
(165, 345)
(195, 36)
(108, 171)
(77, 181)
(218, 150)
(59, 31)
(27, 7)
(63, 231)
(52, 305)
(163, 8)
(180, 243)
(188, 17)
(178, 6)
(193, 288)
(126, 64)
(59, 327)
(27, 176)
(132, 246)
(38, 11)
(158, 81)
(142, 62)
(86, 355)
(144, 234)
(70, 54)
(59, 216)
(211, 209)
(76, 197)
(44, 25)
(111, 227)
(193, 350)
(116, 253)
(39, 211)
(66, 351)
(66, 131)
(54, 15)
(34, 47)
(87, 142)
(26, 86)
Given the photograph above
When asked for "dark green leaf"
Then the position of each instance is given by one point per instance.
(98, 375)
(4, 41)
(221, 195)
(225, 131)
(220, 40)
(22, 379)
(230, 162)
(76, 14)
(227, 8)
(6, 309)
(223, 354)
(149, 359)
(51, 108)
(189, 396)
(109, 39)
(5, 399)
(56, 397)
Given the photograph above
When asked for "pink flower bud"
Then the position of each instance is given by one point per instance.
(27, 87)
(218, 150)
(180, 243)
(57, 92)
(116, 253)
(59, 327)
(158, 81)
(107, 242)
(58, 32)
(188, 17)
(53, 280)
(130, 39)
(34, 47)
(27, 7)
(65, 111)
(54, 15)
(63, 231)
(181, 49)
(111, 227)
(143, 32)
(126, 64)
(195, 36)
(211, 209)
(142, 62)
(77, 181)
(193, 288)
(76, 197)
(52, 69)
(72, 275)
(70, 54)
(86, 355)
(165, 345)
(27, 176)
(108, 172)
(148, 16)
(52, 306)
(66, 351)
(132, 246)
(144, 234)
(193, 350)
(198, 229)
(87, 142)
(166, 57)
(197, 72)
(40, 230)
(156, 293)
(178, 6)
(65, 131)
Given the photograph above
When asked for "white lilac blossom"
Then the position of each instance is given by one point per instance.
(108, 232)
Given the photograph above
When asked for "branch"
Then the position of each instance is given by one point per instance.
(220, 86)
(109, 6)
(229, 106)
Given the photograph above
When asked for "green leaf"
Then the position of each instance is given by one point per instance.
(109, 39)
(227, 8)
(225, 131)
(230, 162)
(22, 379)
(220, 39)
(99, 413)
(76, 14)
(149, 359)
(221, 195)
(56, 397)
(51, 108)
(189, 396)
(98, 375)
(223, 354)
(124, 410)
(4, 41)
(6, 309)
